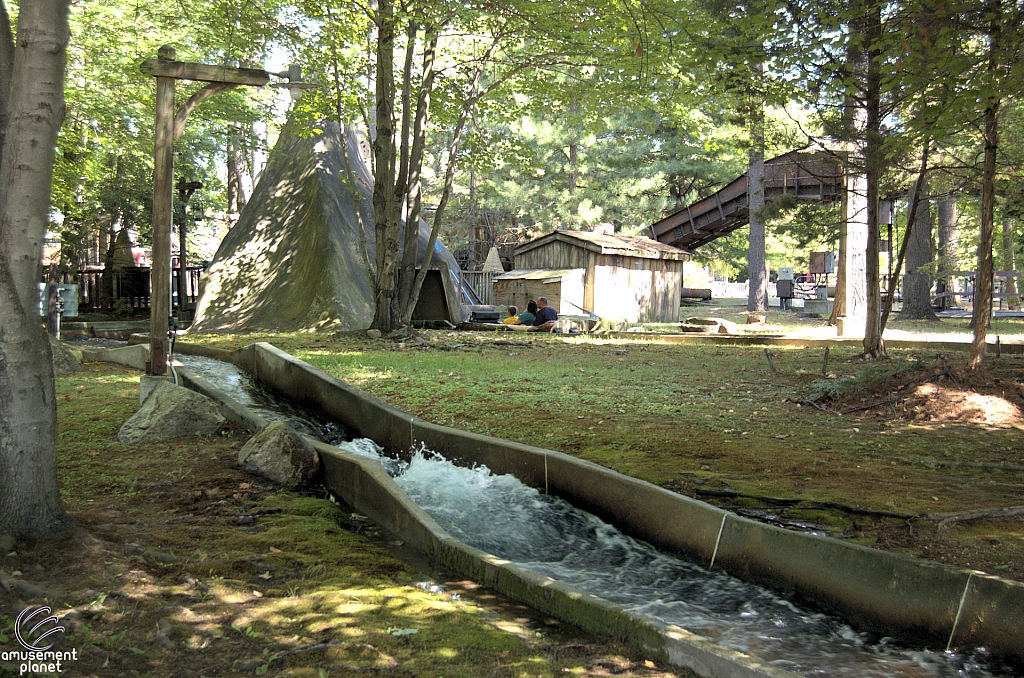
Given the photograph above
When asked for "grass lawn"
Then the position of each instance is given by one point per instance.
(719, 424)
(180, 564)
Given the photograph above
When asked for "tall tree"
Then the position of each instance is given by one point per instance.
(917, 283)
(30, 504)
(948, 243)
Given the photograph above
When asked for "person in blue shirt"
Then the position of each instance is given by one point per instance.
(546, 316)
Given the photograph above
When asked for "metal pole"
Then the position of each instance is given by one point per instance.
(182, 265)
(163, 199)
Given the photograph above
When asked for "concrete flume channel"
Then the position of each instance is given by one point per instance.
(914, 600)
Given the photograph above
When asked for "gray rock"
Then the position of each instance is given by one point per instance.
(281, 455)
(148, 382)
(373, 334)
(64, 361)
(401, 333)
(172, 412)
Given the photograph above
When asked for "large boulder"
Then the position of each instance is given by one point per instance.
(172, 411)
(280, 454)
(64, 361)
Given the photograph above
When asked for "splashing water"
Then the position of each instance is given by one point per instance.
(500, 515)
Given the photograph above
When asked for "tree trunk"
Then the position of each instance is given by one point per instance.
(1010, 264)
(6, 70)
(875, 161)
(986, 233)
(986, 227)
(839, 306)
(385, 225)
(757, 286)
(238, 171)
(30, 503)
(468, 103)
(917, 285)
(232, 186)
(412, 145)
(414, 194)
(948, 240)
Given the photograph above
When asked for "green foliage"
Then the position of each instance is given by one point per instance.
(870, 376)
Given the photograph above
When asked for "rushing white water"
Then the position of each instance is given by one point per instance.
(500, 515)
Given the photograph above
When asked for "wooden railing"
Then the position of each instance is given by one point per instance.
(482, 283)
(130, 284)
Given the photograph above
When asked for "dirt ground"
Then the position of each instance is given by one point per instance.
(181, 564)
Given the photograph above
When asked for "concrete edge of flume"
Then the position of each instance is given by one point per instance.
(914, 599)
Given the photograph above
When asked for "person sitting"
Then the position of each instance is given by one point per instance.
(513, 316)
(529, 315)
(546, 317)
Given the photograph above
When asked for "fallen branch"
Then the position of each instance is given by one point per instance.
(15, 585)
(947, 519)
(814, 404)
(887, 401)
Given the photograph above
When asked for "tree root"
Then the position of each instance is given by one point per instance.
(947, 519)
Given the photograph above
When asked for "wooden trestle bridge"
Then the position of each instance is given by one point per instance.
(812, 175)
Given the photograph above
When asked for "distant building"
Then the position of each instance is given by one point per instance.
(621, 277)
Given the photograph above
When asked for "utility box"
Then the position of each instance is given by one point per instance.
(67, 296)
(822, 262)
(786, 273)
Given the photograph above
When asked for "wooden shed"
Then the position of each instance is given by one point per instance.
(628, 278)
(563, 288)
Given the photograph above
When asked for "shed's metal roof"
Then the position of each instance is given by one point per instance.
(625, 245)
(538, 274)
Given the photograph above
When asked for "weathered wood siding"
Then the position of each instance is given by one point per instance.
(636, 289)
(555, 255)
(516, 292)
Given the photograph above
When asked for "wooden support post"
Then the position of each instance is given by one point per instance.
(163, 202)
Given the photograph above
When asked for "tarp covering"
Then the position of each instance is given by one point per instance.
(301, 253)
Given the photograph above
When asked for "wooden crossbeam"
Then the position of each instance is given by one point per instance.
(185, 70)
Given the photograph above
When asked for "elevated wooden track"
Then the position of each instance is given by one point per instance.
(812, 175)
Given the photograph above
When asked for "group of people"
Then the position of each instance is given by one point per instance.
(538, 315)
